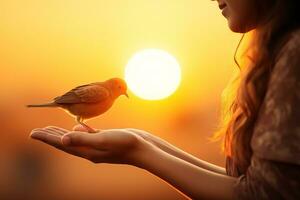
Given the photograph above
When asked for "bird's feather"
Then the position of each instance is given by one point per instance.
(51, 104)
(90, 93)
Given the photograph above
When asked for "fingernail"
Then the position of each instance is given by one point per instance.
(66, 140)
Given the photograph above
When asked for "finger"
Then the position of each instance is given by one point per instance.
(56, 130)
(53, 132)
(46, 137)
(59, 130)
(82, 139)
(34, 130)
(55, 141)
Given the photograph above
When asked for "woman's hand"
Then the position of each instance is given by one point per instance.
(139, 148)
(174, 151)
(120, 146)
(123, 146)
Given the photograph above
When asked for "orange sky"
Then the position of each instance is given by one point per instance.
(50, 46)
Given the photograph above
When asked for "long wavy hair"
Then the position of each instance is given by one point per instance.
(243, 97)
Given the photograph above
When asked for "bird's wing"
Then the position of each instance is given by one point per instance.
(90, 93)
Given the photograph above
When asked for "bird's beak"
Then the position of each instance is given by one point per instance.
(126, 95)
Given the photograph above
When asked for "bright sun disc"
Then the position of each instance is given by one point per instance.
(153, 74)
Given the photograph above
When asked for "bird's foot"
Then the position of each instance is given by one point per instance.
(89, 129)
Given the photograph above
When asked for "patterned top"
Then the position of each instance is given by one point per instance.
(274, 172)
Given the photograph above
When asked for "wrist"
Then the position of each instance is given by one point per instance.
(143, 151)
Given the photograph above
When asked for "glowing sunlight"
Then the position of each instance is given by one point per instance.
(153, 74)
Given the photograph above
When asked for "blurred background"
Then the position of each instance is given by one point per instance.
(50, 46)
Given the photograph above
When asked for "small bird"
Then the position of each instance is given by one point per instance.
(90, 100)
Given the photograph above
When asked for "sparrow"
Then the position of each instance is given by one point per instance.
(90, 100)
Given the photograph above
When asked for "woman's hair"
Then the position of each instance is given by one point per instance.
(240, 111)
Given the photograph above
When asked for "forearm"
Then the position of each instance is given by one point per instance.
(167, 147)
(193, 181)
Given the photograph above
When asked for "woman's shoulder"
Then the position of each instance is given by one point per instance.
(295, 35)
(277, 130)
(294, 38)
(291, 45)
(287, 63)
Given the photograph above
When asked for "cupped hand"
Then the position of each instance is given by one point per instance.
(120, 146)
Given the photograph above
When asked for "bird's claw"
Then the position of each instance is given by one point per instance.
(85, 128)
(91, 130)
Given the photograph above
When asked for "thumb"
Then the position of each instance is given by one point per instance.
(80, 139)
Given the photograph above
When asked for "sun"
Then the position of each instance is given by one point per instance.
(153, 74)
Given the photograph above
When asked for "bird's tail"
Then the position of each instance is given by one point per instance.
(51, 104)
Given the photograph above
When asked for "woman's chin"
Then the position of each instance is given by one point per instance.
(237, 28)
(234, 26)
